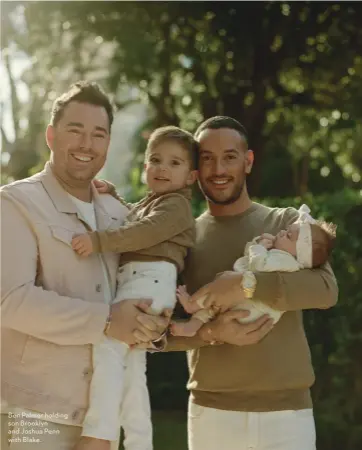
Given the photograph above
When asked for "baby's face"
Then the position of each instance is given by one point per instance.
(286, 240)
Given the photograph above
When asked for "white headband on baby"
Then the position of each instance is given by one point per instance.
(304, 241)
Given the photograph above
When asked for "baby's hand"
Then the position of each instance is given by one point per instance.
(101, 186)
(267, 243)
(267, 240)
(83, 245)
(184, 298)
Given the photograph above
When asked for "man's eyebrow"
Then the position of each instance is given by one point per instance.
(80, 125)
(75, 124)
(101, 129)
(231, 150)
(205, 151)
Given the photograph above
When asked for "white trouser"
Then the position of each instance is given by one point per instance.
(118, 392)
(215, 429)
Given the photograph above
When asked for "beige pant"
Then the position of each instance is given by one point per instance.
(33, 434)
(214, 429)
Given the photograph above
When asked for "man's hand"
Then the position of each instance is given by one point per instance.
(83, 245)
(227, 329)
(131, 325)
(223, 293)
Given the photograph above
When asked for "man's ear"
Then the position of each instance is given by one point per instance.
(192, 177)
(49, 136)
(249, 160)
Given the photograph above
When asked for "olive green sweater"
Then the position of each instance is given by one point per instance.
(276, 373)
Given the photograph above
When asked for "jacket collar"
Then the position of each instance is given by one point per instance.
(64, 204)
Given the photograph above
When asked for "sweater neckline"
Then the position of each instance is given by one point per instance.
(235, 217)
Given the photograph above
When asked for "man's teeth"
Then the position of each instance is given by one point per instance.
(220, 182)
(83, 158)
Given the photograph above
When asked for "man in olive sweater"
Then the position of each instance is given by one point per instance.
(246, 396)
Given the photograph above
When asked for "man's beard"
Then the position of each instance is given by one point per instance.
(234, 196)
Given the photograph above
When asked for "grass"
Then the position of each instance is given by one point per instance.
(169, 430)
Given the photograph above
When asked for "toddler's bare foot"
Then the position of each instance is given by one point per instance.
(188, 329)
(88, 443)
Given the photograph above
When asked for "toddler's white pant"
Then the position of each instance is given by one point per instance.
(118, 392)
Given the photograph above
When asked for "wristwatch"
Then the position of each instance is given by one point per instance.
(248, 284)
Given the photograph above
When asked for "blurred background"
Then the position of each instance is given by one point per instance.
(291, 72)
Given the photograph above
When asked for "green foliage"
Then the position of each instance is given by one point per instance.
(291, 72)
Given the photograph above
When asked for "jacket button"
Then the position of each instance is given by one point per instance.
(98, 287)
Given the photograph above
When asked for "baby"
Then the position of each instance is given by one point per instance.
(304, 244)
(152, 246)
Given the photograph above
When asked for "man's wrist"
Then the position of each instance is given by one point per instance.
(159, 344)
(207, 334)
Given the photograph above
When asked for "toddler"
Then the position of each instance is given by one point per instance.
(152, 245)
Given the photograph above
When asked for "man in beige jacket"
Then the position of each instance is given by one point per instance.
(55, 304)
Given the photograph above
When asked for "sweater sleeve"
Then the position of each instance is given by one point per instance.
(182, 344)
(304, 289)
(170, 216)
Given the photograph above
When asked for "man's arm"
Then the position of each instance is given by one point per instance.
(224, 329)
(182, 343)
(304, 289)
(31, 309)
(169, 217)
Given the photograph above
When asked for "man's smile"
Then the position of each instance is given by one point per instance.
(81, 157)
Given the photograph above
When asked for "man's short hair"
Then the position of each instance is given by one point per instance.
(218, 122)
(83, 92)
(177, 135)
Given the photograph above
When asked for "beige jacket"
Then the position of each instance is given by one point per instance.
(52, 301)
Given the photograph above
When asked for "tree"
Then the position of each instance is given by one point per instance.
(265, 63)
